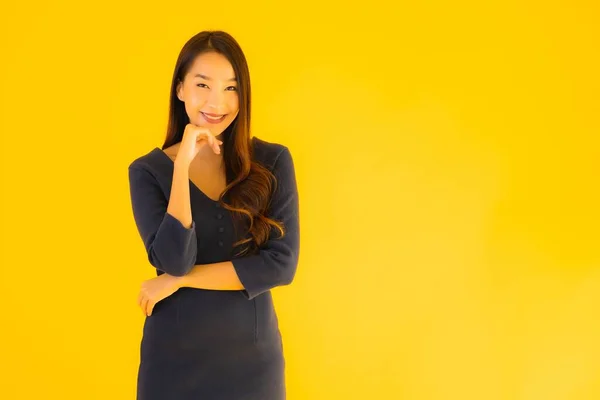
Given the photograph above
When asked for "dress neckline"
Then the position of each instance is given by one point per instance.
(192, 184)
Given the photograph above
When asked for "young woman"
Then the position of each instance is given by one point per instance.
(217, 211)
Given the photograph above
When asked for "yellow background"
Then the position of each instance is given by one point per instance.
(447, 155)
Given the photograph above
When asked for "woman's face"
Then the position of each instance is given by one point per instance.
(210, 92)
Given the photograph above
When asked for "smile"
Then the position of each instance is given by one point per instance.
(213, 119)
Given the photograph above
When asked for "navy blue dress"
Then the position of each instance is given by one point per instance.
(212, 344)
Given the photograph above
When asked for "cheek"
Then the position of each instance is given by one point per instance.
(233, 105)
(197, 98)
(190, 108)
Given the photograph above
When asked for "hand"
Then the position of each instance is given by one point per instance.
(155, 289)
(194, 138)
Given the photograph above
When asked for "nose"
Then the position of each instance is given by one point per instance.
(215, 100)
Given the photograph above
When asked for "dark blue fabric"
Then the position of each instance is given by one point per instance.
(208, 344)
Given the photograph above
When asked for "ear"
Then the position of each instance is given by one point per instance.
(179, 90)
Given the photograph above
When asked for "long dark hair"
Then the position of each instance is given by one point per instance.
(249, 184)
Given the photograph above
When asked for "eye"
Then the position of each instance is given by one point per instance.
(233, 88)
(203, 85)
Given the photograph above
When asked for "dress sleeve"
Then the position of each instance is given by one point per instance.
(171, 247)
(277, 259)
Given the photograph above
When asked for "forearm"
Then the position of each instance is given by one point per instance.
(179, 200)
(217, 276)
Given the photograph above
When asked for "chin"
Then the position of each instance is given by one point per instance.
(216, 129)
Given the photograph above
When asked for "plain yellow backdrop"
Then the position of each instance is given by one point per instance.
(447, 155)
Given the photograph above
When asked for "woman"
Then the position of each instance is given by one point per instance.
(217, 211)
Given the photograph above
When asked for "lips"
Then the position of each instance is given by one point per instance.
(213, 118)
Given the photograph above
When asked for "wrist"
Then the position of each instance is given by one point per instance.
(181, 163)
(181, 281)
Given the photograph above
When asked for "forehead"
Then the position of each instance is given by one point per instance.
(213, 65)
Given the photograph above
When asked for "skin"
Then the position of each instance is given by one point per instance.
(198, 158)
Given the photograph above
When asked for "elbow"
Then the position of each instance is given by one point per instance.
(288, 271)
(172, 249)
(175, 266)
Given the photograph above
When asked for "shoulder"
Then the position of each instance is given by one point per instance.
(150, 160)
(149, 167)
(268, 153)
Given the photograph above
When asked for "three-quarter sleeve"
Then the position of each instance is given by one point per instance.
(171, 247)
(276, 262)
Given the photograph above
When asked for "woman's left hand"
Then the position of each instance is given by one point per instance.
(155, 289)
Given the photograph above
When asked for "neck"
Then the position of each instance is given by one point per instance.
(206, 155)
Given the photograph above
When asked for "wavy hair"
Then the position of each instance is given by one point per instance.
(249, 184)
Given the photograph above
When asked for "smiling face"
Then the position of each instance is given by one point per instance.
(210, 92)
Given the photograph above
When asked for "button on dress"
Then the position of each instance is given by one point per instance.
(214, 344)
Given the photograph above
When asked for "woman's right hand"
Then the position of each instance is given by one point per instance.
(195, 138)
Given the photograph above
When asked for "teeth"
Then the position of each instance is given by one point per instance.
(213, 118)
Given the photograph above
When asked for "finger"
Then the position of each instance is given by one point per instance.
(144, 305)
(139, 298)
(142, 309)
(212, 141)
(206, 132)
(217, 144)
(202, 133)
(149, 307)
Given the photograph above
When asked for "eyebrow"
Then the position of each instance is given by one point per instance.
(208, 79)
